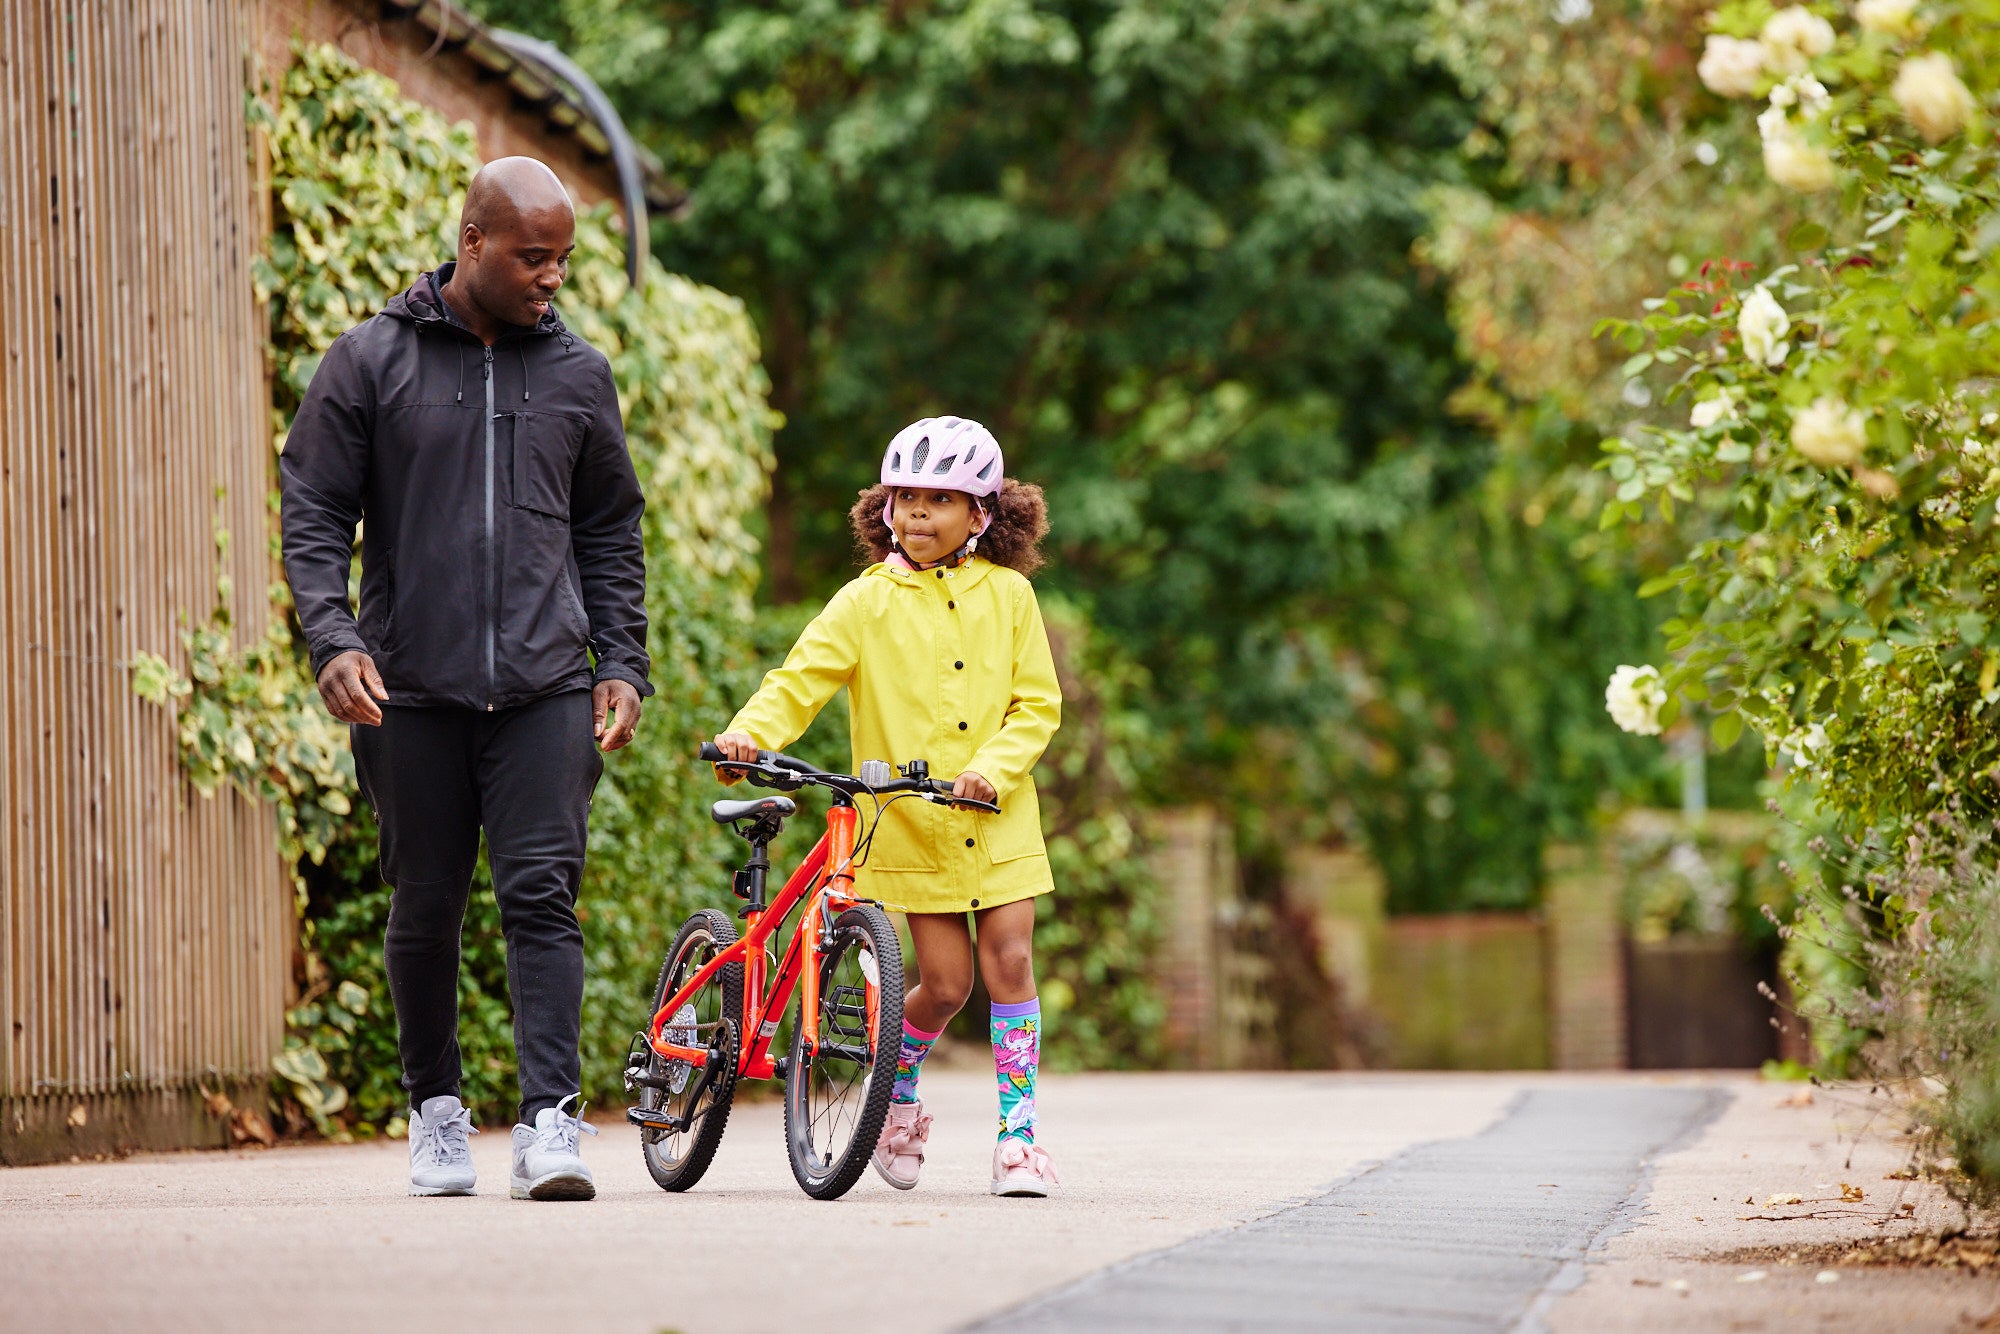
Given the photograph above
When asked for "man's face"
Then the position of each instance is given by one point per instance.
(517, 271)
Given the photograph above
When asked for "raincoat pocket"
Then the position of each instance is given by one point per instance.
(1016, 832)
(545, 450)
(906, 838)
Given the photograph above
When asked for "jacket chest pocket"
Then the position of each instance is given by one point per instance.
(545, 450)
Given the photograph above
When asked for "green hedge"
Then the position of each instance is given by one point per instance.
(366, 191)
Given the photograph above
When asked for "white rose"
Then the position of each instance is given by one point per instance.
(1710, 411)
(1892, 18)
(1793, 36)
(1789, 157)
(1830, 433)
(1803, 746)
(1762, 325)
(1634, 698)
(1794, 163)
(1933, 96)
(1731, 66)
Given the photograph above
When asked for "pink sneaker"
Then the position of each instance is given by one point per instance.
(1020, 1168)
(899, 1154)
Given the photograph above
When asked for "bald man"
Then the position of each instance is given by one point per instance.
(500, 646)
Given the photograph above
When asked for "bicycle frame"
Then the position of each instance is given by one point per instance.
(824, 881)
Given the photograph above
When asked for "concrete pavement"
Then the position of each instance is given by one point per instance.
(1540, 1184)
(322, 1238)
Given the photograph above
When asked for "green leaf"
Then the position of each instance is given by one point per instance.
(1725, 729)
(1807, 236)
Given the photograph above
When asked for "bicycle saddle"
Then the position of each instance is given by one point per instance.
(729, 812)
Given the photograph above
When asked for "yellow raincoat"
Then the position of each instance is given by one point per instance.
(950, 666)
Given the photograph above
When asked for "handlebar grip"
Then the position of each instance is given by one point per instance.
(713, 754)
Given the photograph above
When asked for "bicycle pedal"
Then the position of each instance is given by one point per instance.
(647, 1118)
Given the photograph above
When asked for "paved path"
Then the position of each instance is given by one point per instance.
(1455, 1235)
(1197, 1202)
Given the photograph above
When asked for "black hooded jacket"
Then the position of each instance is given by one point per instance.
(501, 537)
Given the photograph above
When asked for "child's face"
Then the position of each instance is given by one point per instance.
(930, 525)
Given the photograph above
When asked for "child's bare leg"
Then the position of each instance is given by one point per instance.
(944, 963)
(1007, 952)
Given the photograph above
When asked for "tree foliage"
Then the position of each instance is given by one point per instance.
(1164, 250)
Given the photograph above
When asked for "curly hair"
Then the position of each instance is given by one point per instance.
(1013, 539)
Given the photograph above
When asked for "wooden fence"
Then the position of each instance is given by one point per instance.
(145, 932)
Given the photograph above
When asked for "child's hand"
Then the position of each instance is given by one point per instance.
(970, 784)
(737, 746)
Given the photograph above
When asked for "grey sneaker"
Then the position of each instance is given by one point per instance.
(440, 1153)
(547, 1165)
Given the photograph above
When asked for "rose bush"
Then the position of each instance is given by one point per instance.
(1838, 584)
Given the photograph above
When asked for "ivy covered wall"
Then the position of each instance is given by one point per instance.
(366, 188)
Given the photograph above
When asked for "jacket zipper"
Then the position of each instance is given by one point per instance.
(492, 600)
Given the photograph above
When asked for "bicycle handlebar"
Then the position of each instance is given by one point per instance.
(788, 773)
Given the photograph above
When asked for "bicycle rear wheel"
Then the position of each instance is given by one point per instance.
(837, 1095)
(698, 1100)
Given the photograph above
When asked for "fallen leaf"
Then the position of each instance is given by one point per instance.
(247, 1126)
(1754, 1276)
(1852, 1194)
(79, 1116)
(218, 1104)
(1774, 1201)
(1906, 1209)
(1749, 1199)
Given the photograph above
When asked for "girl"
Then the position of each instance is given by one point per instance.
(941, 647)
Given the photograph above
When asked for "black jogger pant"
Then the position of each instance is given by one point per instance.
(435, 776)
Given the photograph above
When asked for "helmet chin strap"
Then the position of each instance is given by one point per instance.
(956, 558)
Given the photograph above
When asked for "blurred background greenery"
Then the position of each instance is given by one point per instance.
(1294, 311)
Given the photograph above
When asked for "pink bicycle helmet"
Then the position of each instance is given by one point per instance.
(944, 454)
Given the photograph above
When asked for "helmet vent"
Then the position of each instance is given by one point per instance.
(923, 451)
(985, 474)
(944, 465)
(895, 461)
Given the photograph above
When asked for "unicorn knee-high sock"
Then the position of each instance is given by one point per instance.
(1017, 1054)
(909, 1059)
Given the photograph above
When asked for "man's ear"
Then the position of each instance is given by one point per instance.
(470, 240)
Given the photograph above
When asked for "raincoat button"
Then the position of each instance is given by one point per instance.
(959, 665)
(975, 903)
(951, 606)
(968, 842)
(961, 727)
(940, 574)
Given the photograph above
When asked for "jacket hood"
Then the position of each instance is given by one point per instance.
(423, 305)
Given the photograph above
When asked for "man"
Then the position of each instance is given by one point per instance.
(480, 440)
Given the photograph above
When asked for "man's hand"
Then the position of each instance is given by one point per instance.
(346, 684)
(621, 701)
(970, 784)
(737, 746)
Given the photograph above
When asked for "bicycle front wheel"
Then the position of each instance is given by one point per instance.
(837, 1095)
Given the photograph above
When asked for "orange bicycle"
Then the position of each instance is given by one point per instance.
(717, 1006)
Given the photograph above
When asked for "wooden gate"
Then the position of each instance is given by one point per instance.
(145, 932)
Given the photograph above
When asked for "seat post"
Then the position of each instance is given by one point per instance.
(756, 872)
